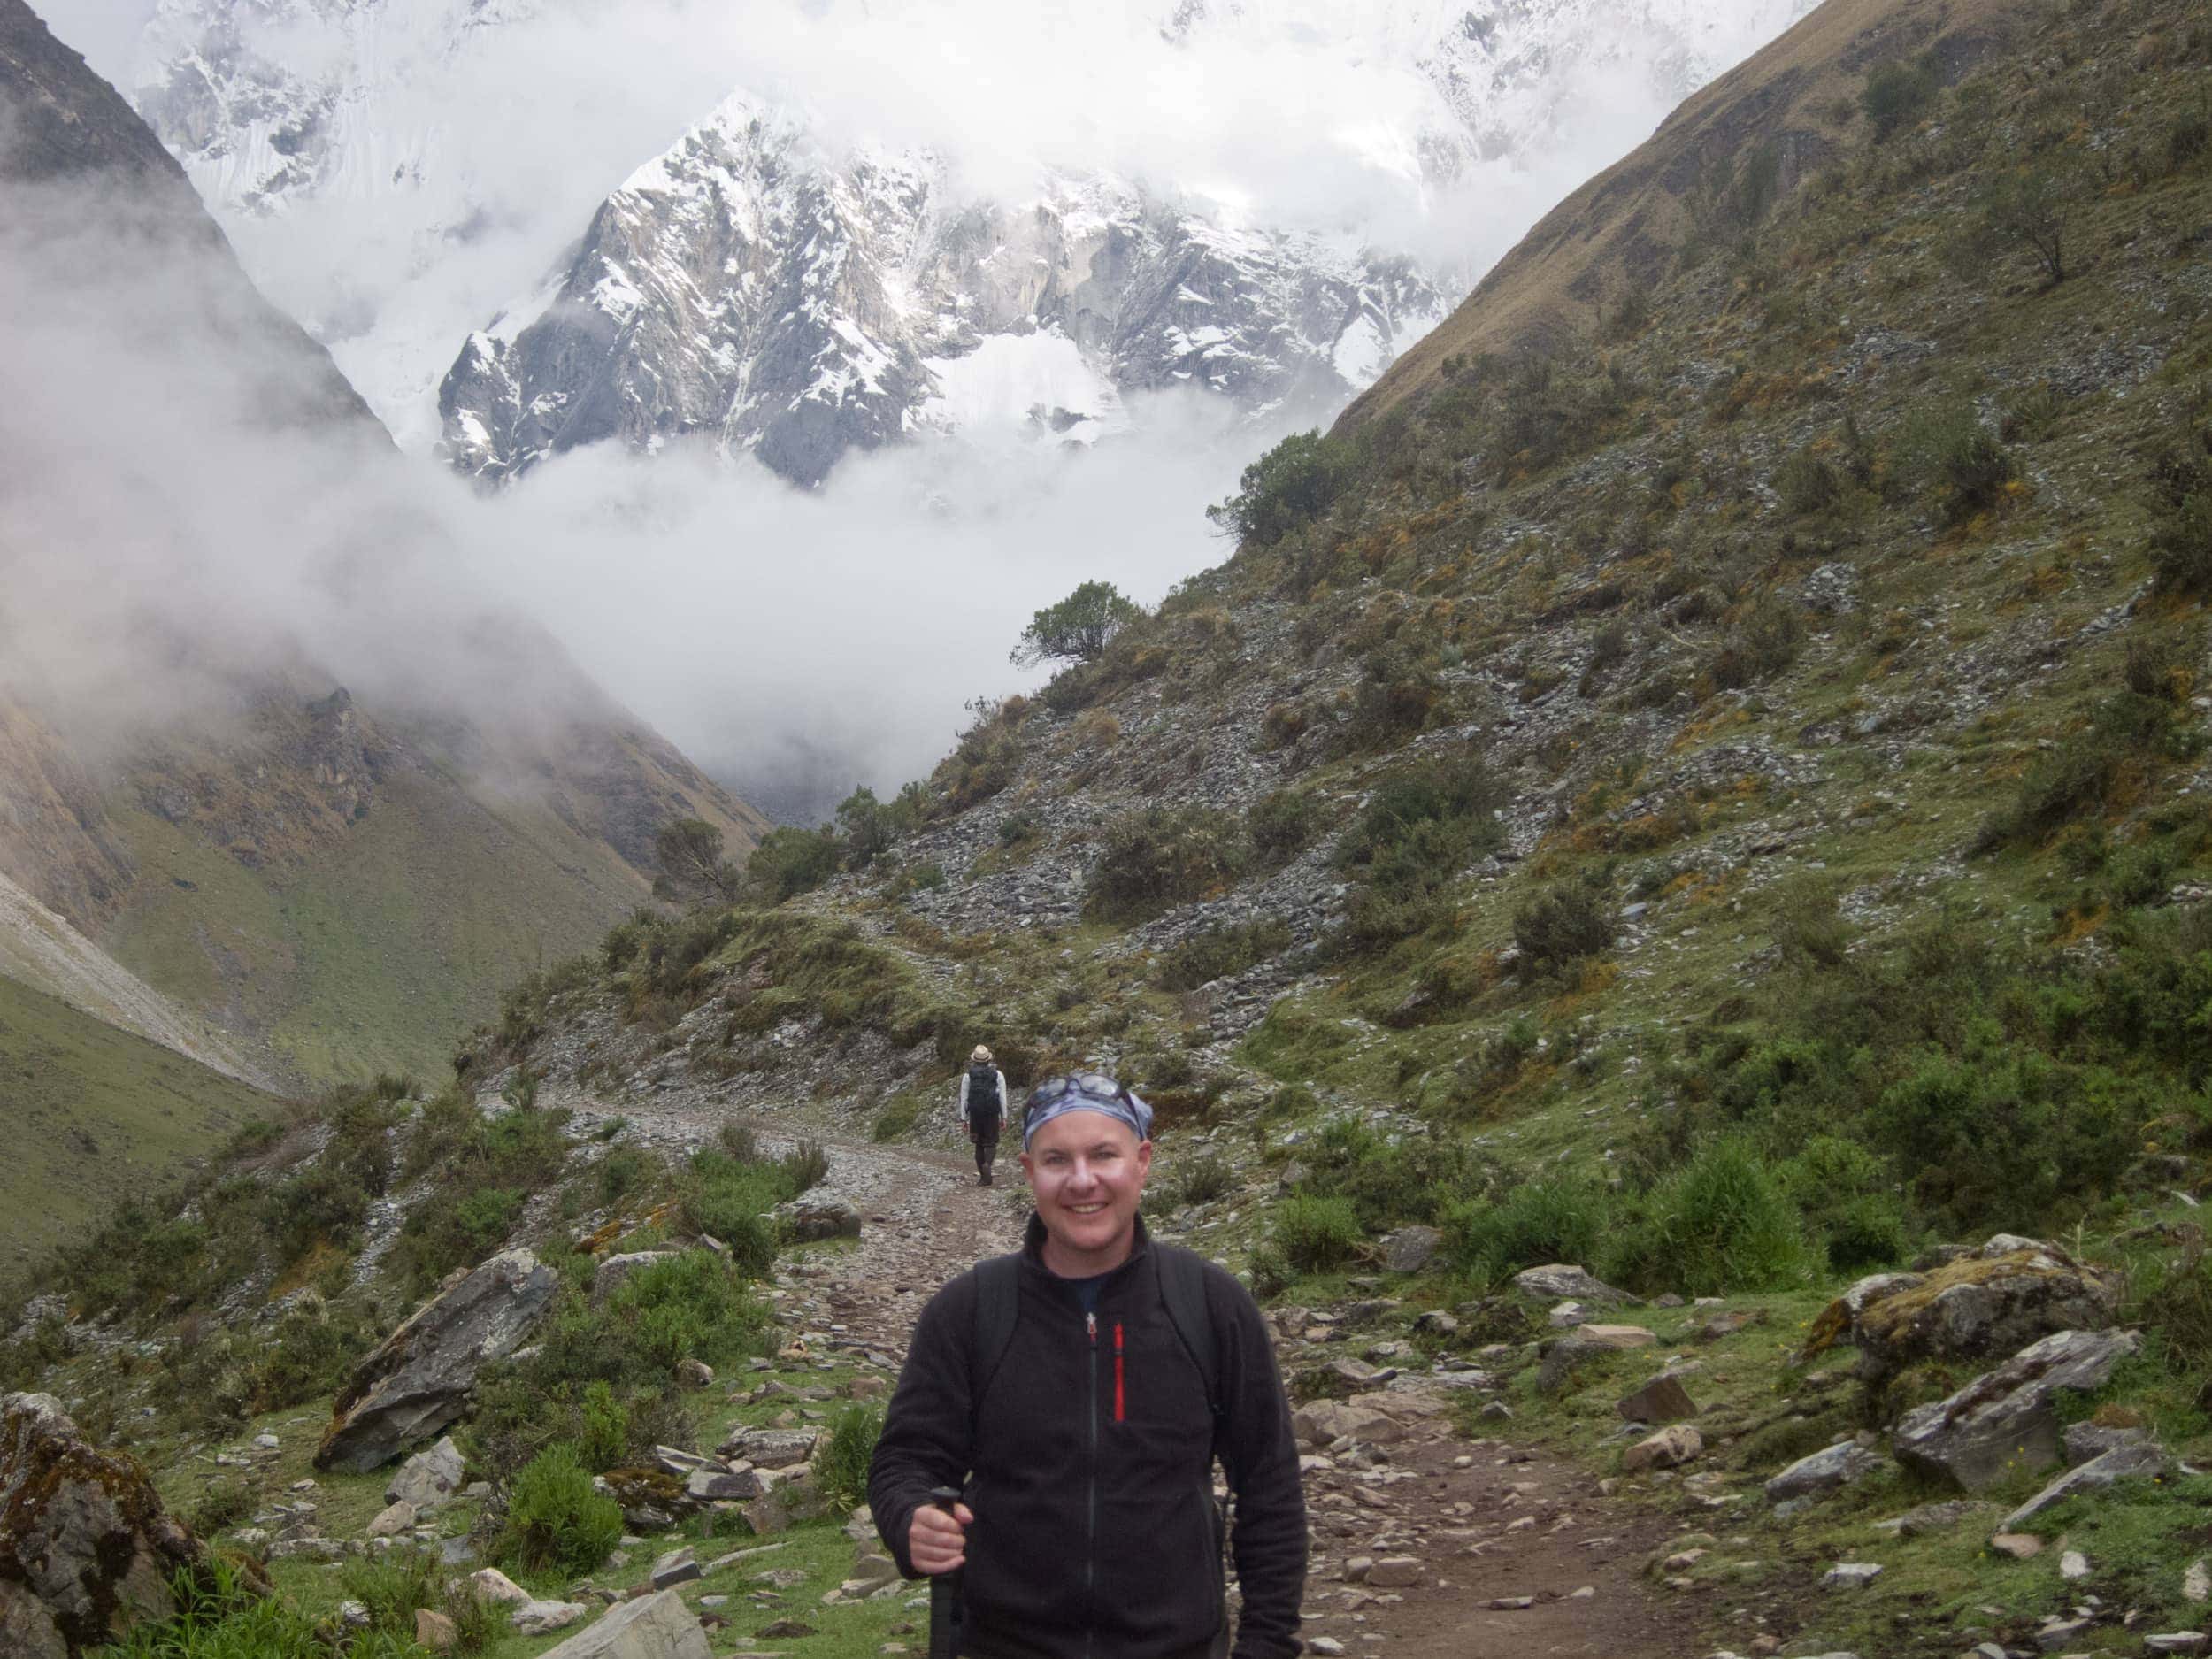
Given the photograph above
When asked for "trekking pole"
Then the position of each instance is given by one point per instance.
(944, 1593)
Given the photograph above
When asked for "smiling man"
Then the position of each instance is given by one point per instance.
(1077, 1395)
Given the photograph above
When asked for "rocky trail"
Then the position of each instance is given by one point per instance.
(1425, 1543)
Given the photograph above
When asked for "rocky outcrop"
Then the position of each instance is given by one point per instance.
(429, 1479)
(2007, 1419)
(86, 1548)
(419, 1379)
(1978, 1305)
(813, 1217)
(658, 1626)
(1558, 1281)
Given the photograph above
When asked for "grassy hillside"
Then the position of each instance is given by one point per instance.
(378, 950)
(94, 1114)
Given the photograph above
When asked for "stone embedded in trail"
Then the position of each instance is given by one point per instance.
(1822, 1472)
(1409, 1249)
(1558, 1281)
(429, 1479)
(813, 1217)
(86, 1551)
(1978, 1305)
(2123, 1462)
(1323, 1422)
(658, 1626)
(418, 1380)
(1662, 1399)
(2008, 1418)
(1667, 1449)
(1394, 1572)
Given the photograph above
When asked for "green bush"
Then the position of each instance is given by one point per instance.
(1807, 484)
(2181, 518)
(603, 1442)
(730, 1200)
(392, 1586)
(1761, 641)
(1293, 484)
(788, 861)
(1316, 1235)
(555, 1521)
(1280, 826)
(1536, 1222)
(1723, 1223)
(2080, 776)
(1809, 925)
(1567, 923)
(805, 1166)
(1965, 463)
(1161, 857)
(1204, 1179)
(1845, 1194)
(1078, 629)
(841, 1467)
(1220, 951)
(1899, 95)
(1418, 832)
(220, 1616)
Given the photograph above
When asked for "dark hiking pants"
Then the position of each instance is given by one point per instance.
(986, 1147)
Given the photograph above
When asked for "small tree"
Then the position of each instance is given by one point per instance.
(790, 862)
(2029, 207)
(1077, 629)
(1897, 94)
(693, 870)
(1293, 483)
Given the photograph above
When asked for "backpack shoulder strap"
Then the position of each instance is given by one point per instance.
(1183, 1287)
(997, 1305)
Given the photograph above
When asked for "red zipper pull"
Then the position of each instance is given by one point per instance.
(1118, 1375)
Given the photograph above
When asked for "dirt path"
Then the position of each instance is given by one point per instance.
(1512, 1552)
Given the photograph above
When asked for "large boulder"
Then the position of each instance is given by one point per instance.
(771, 1449)
(429, 1479)
(1822, 1472)
(1409, 1249)
(1978, 1305)
(86, 1548)
(1560, 1281)
(419, 1379)
(2008, 1418)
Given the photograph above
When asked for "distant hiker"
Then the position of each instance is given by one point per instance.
(1053, 1436)
(983, 1110)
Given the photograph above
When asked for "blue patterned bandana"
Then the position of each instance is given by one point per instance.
(1084, 1092)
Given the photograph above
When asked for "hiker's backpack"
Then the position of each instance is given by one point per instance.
(982, 1094)
(1182, 1287)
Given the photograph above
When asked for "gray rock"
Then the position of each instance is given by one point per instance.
(418, 1380)
(2008, 1418)
(813, 1217)
(2176, 1641)
(771, 1449)
(2085, 1441)
(1662, 1399)
(1409, 1249)
(1667, 1449)
(392, 1520)
(1436, 1322)
(1851, 1575)
(1822, 1472)
(542, 1619)
(1394, 1572)
(725, 1485)
(678, 1566)
(86, 1548)
(2122, 1463)
(2063, 1634)
(1975, 1306)
(429, 1479)
(1558, 1281)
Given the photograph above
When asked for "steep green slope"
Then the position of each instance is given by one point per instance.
(95, 1115)
(376, 951)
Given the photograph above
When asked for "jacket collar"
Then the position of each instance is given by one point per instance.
(1033, 1249)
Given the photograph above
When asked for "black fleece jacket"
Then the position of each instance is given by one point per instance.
(1089, 1465)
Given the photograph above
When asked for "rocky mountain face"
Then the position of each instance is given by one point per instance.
(767, 291)
(747, 287)
(243, 863)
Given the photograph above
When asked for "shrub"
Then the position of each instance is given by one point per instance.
(2081, 774)
(1564, 925)
(840, 1468)
(1417, 832)
(391, 1586)
(730, 1200)
(1807, 484)
(1078, 629)
(438, 1238)
(1954, 453)
(1721, 1224)
(693, 870)
(2181, 521)
(1762, 640)
(1807, 924)
(221, 1616)
(2027, 206)
(788, 862)
(1293, 484)
(603, 1442)
(1316, 1235)
(1897, 94)
(555, 1521)
(1553, 1220)
(1204, 1179)
(1161, 857)
(1220, 951)
(805, 1166)
(1280, 826)
(1841, 1189)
